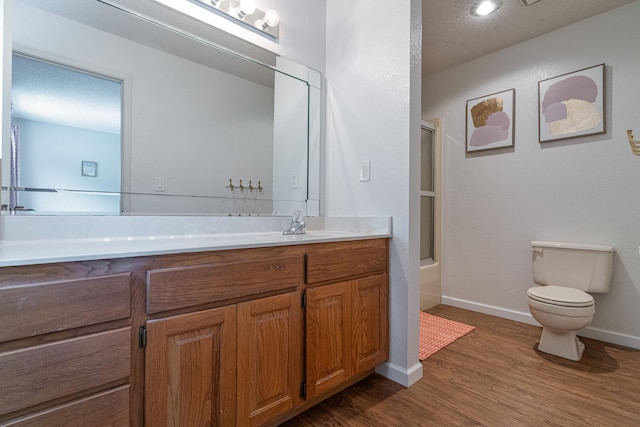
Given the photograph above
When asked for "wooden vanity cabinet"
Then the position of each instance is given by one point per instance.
(369, 322)
(238, 364)
(190, 372)
(269, 358)
(200, 365)
(325, 327)
(346, 322)
(65, 346)
(245, 337)
(328, 337)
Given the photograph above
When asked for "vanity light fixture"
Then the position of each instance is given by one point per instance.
(485, 7)
(246, 13)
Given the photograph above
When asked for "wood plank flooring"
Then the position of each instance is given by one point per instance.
(494, 376)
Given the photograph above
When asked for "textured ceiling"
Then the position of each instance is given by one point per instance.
(452, 36)
(49, 93)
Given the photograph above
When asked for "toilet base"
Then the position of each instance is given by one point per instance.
(563, 344)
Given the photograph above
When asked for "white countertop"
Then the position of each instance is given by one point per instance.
(33, 240)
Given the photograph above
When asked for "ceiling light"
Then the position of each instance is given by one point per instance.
(485, 7)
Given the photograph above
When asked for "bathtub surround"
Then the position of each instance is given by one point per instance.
(578, 190)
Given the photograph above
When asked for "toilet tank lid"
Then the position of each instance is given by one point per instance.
(566, 245)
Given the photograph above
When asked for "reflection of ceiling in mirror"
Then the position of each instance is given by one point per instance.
(54, 94)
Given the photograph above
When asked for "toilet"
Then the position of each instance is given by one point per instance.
(568, 273)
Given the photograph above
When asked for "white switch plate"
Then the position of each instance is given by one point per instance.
(159, 183)
(365, 171)
(294, 179)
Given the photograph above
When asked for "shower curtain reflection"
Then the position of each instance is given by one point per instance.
(14, 168)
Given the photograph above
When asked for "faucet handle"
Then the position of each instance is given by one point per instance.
(298, 217)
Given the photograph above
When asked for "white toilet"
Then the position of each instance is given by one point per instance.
(562, 306)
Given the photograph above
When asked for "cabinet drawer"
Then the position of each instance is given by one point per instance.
(367, 258)
(45, 372)
(180, 287)
(107, 408)
(40, 308)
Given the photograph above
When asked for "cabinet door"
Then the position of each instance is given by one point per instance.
(328, 329)
(370, 322)
(269, 358)
(190, 370)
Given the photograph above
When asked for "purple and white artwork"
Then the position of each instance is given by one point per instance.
(490, 121)
(572, 105)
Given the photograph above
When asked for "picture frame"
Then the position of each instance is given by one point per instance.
(572, 105)
(490, 121)
(89, 169)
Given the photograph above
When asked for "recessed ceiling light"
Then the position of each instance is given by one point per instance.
(485, 7)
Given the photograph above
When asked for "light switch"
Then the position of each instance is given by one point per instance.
(365, 171)
(159, 183)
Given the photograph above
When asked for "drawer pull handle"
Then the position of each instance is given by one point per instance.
(280, 267)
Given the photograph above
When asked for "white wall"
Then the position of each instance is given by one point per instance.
(373, 113)
(583, 190)
(54, 156)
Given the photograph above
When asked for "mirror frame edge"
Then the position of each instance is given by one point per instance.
(6, 42)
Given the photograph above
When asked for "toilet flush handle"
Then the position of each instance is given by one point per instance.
(538, 250)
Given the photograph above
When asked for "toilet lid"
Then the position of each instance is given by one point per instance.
(560, 295)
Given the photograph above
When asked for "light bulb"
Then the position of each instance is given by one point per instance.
(247, 7)
(271, 18)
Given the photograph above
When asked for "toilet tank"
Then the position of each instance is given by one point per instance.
(576, 265)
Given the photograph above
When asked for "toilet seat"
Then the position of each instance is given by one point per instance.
(560, 296)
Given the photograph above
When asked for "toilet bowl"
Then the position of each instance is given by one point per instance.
(562, 305)
(562, 311)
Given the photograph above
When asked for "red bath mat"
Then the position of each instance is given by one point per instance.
(437, 333)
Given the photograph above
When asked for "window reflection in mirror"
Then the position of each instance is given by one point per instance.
(65, 139)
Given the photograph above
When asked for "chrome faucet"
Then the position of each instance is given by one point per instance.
(297, 224)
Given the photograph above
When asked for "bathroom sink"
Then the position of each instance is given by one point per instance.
(309, 235)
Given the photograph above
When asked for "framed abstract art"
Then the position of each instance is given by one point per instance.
(490, 121)
(572, 105)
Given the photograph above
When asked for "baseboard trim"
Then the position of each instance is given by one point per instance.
(518, 316)
(402, 376)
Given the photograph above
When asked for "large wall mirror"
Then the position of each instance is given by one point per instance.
(113, 111)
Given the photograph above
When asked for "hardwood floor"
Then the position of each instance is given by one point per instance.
(494, 376)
